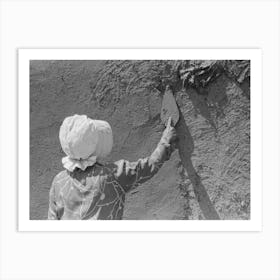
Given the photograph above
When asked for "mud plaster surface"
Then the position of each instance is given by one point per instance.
(207, 178)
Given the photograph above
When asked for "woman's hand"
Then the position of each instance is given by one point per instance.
(169, 134)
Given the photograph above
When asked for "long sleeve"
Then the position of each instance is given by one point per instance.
(131, 174)
(52, 213)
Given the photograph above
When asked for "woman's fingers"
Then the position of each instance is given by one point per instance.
(169, 122)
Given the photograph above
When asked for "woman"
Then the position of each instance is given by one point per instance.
(88, 190)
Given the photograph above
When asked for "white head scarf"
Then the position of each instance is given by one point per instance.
(84, 140)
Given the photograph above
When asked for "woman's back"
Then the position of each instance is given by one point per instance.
(90, 194)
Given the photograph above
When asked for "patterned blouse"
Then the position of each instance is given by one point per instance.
(98, 193)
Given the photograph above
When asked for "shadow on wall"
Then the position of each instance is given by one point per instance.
(186, 147)
(210, 101)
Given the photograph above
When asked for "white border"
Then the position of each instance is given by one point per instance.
(254, 224)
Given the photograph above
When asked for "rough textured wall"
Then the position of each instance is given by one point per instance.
(207, 178)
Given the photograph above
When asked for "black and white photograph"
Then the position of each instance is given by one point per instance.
(140, 139)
